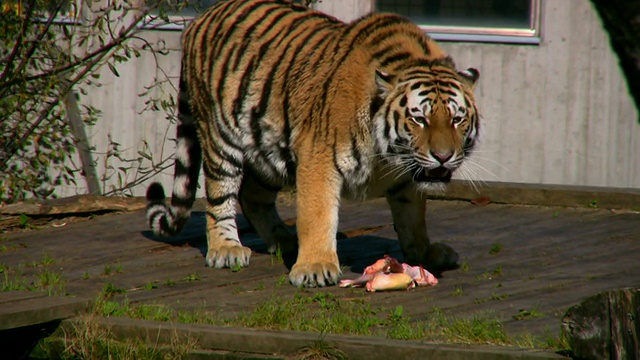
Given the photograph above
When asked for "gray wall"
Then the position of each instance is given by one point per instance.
(554, 113)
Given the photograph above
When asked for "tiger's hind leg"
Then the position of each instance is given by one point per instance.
(258, 205)
(222, 182)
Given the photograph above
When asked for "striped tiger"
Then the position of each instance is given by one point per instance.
(274, 94)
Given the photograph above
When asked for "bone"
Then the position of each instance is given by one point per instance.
(391, 281)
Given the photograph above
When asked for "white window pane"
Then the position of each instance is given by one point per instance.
(475, 20)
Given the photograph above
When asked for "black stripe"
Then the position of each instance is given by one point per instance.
(399, 57)
(184, 203)
(219, 219)
(396, 116)
(371, 27)
(219, 200)
(355, 151)
(211, 40)
(288, 83)
(374, 106)
(184, 108)
(243, 89)
(387, 126)
(166, 226)
(416, 85)
(383, 51)
(219, 152)
(291, 76)
(427, 91)
(220, 82)
(403, 100)
(160, 212)
(218, 172)
(425, 100)
(223, 39)
(249, 33)
(446, 90)
(194, 152)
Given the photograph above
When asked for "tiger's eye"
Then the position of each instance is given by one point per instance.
(420, 120)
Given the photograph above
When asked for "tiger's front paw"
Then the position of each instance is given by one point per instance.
(316, 274)
(229, 256)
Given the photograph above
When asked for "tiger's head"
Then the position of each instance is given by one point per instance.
(428, 122)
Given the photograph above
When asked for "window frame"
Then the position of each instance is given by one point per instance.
(73, 17)
(177, 22)
(529, 36)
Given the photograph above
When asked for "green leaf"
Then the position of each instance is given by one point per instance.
(113, 69)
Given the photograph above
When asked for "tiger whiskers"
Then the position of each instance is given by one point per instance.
(398, 165)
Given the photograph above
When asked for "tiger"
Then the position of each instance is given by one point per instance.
(273, 95)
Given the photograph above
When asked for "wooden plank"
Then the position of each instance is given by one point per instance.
(20, 309)
(289, 343)
(551, 258)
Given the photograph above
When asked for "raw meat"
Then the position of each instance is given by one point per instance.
(389, 274)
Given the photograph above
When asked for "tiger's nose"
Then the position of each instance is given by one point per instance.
(442, 156)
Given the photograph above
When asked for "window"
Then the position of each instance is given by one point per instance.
(511, 21)
(177, 12)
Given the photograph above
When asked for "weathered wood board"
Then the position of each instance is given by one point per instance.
(548, 259)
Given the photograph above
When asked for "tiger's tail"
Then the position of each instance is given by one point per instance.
(167, 220)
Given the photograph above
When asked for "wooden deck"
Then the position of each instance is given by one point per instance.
(544, 259)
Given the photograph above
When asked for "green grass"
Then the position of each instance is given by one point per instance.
(150, 285)
(482, 328)
(465, 266)
(89, 340)
(23, 222)
(110, 290)
(319, 312)
(276, 256)
(282, 280)
(326, 313)
(192, 277)
(524, 314)
(110, 270)
(321, 350)
(499, 297)
(44, 279)
(497, 271)
(495, 248)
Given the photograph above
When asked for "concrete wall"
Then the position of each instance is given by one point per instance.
(554, 113)
(559, 112)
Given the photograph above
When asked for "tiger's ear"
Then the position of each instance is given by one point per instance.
(384, 82)
(471, 75)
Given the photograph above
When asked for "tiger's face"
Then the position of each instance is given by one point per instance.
(431, 124)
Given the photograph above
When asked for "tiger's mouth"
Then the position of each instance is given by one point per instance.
(437, 175)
